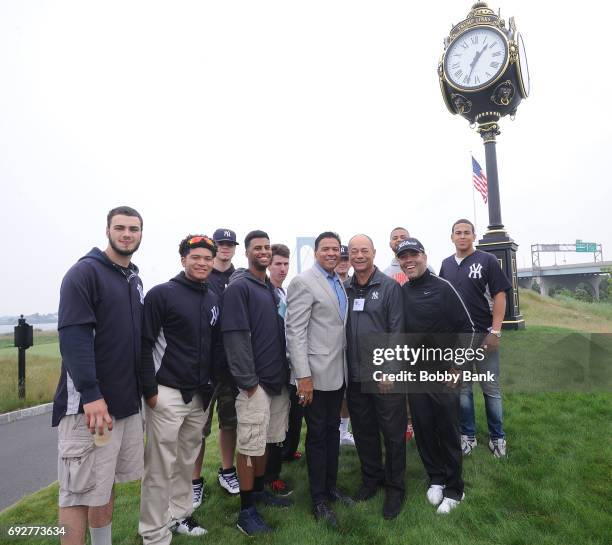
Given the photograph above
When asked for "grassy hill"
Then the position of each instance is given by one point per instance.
(552, 489)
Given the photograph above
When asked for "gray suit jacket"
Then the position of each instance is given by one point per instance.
(315, 331)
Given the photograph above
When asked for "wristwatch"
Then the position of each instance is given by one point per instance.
(496, 333)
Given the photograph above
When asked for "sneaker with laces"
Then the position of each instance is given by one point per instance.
(448, 504)
(280, 488)
(435, 494)
(251, 523)
(346, 438)
(228, 480)
(468, 444)
(265, 497)
(197, 486)
(188, 527)
(498, 447)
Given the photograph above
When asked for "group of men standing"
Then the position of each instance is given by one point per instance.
(213, 334)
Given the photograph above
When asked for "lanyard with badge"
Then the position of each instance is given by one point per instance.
(359, 301)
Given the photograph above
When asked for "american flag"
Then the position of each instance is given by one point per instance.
(480, 179)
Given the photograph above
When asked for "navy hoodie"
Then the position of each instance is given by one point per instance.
(181, 339)
(100, 303)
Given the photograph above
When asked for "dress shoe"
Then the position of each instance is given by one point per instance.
(323, 513)
(335, 495)
(366, 492)
(393, 504)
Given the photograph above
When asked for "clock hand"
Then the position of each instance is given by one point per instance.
(476, 57)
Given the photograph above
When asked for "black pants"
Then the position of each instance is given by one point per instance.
(323, 442)
(435, 417)
(371, 416)
(296, 413)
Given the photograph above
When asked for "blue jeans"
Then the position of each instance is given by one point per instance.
(492, 396)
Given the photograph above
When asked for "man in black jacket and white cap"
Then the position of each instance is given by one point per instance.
(180, 342)
(434, 316)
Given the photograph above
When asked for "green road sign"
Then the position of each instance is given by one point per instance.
(588, 247)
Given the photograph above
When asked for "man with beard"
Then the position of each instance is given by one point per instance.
(99, 324)
(225, 240)
(375, 307)
(254, 340)
(315, 320)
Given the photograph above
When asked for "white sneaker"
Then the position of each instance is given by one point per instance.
(448, 505)
(346, 438)
(498, 447)
(198, 492)
(468, 444)
(229, 481)
(188, 527)
(435, 494)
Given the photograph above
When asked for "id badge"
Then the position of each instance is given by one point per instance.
(358, 305)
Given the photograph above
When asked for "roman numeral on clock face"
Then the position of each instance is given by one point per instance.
(494, 64)
(458, 73)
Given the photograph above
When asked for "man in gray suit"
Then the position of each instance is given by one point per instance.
(314, 324)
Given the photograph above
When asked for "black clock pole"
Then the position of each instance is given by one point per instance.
(496, 240)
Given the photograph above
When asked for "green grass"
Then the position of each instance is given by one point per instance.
(42, 371)
(552, 489)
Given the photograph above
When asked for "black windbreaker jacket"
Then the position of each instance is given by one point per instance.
(181, 340)
(435, 313)
(382, 313)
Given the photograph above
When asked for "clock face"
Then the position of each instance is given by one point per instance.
(476, 58)
(523, 69)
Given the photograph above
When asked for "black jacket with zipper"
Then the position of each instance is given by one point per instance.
(181, 339)
(382, 313)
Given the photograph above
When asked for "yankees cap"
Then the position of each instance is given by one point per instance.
(344, 252)
(225, 235)
(409, 244)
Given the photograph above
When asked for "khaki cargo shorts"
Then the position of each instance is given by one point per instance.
(226, 410)
(262, 419)
(86, 473)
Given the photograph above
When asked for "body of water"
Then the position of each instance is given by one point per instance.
(45, 327)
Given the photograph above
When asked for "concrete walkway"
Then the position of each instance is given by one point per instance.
(28, 457)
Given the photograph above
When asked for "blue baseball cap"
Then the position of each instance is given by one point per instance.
(344, 252)
(225, 235)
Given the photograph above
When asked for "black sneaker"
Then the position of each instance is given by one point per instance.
(251, 523)
(197, 486)
(265, 497)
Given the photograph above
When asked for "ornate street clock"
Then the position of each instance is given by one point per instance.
(483, 72)
(483, 77)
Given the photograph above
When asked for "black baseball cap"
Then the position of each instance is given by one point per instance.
(225, 235)
(409, 244)
(344, 252)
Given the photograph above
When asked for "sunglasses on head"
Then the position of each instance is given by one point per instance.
(197, 240)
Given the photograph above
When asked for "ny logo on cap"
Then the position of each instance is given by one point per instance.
(227, 233)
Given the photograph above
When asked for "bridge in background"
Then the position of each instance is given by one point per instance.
(567, 276)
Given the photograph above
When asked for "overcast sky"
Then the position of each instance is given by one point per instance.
(293, 117)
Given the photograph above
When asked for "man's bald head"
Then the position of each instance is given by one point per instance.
(361, 239)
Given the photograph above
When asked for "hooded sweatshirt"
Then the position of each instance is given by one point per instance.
(181, 339)
(99, 323)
